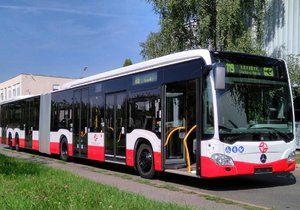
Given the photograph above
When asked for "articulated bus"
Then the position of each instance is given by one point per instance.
(198, 113)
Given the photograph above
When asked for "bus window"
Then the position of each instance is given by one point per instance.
(208, 116)
(143, 111)
(62, 110)
(96, 118)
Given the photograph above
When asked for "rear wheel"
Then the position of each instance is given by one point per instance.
(10, 141)
(64, 155)
(17, 148)
(145, 161)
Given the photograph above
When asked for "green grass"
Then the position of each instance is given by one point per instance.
(298, 158)
(26, 185)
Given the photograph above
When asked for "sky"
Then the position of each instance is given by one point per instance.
(61, 37)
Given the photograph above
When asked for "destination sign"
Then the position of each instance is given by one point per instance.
(145, 78)
(249, 70)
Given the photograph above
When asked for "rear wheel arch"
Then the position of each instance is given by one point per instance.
(62, 139)
(140, 141)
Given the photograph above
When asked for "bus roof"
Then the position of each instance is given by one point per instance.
(143, 66)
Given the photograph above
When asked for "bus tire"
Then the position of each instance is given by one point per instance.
(145, 161)
(10, 141)
(64, 153)
(17, 147)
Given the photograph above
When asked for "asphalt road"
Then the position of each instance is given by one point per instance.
(280, 191)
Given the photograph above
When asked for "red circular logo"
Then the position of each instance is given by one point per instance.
(263, 147)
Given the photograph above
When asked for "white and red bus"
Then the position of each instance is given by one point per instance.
(199, 113)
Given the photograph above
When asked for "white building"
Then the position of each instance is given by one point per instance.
(282, 28)
(28, 84)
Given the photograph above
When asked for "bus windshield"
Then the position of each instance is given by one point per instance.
(255, 104)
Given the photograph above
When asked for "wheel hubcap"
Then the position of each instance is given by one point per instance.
(64, 150)
(145, 161)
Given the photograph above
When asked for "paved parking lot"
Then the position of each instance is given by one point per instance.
(281, 191)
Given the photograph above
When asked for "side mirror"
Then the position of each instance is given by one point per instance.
(219, 73)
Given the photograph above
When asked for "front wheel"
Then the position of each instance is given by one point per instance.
(145, 162)
(64, 155)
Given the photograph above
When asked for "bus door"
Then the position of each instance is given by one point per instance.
(28, 122)
(80, 123)
(115, 126)
(180, 124)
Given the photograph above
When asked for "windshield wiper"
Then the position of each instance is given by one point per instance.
(281, 134)
(236, 136)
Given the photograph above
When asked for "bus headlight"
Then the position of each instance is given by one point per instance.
(291, 157)
(222, 160)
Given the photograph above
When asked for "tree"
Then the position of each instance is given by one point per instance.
(235, 25)
(127, 62)
(293, 63)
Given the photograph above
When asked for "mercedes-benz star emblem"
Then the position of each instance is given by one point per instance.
(263, 158)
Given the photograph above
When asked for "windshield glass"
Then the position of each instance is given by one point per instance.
(255, 105)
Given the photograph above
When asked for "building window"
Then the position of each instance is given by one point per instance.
(14, 91)
(18, 90)
(1, 95)
(9, 92)
(55, 87)
(5, 93)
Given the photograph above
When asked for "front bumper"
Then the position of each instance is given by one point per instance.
(209, 169)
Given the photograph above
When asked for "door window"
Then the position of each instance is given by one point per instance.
(180, 118)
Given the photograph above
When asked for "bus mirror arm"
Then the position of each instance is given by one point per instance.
(219, 73)
(207, 69)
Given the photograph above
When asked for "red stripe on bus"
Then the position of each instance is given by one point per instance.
(210, 169)
(70, 149)
(96, 153)
(35, 144)
(6, 141)
(157, 161)
(22, 143)
(129, 157)
(54, 148)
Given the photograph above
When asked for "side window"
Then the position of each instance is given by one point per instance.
(297, 107)
(62, 110)
(208, 117)
(144, 111)
(96, 118)
(54, 115)
(65, 109)
(36, 113)
(96, 108)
